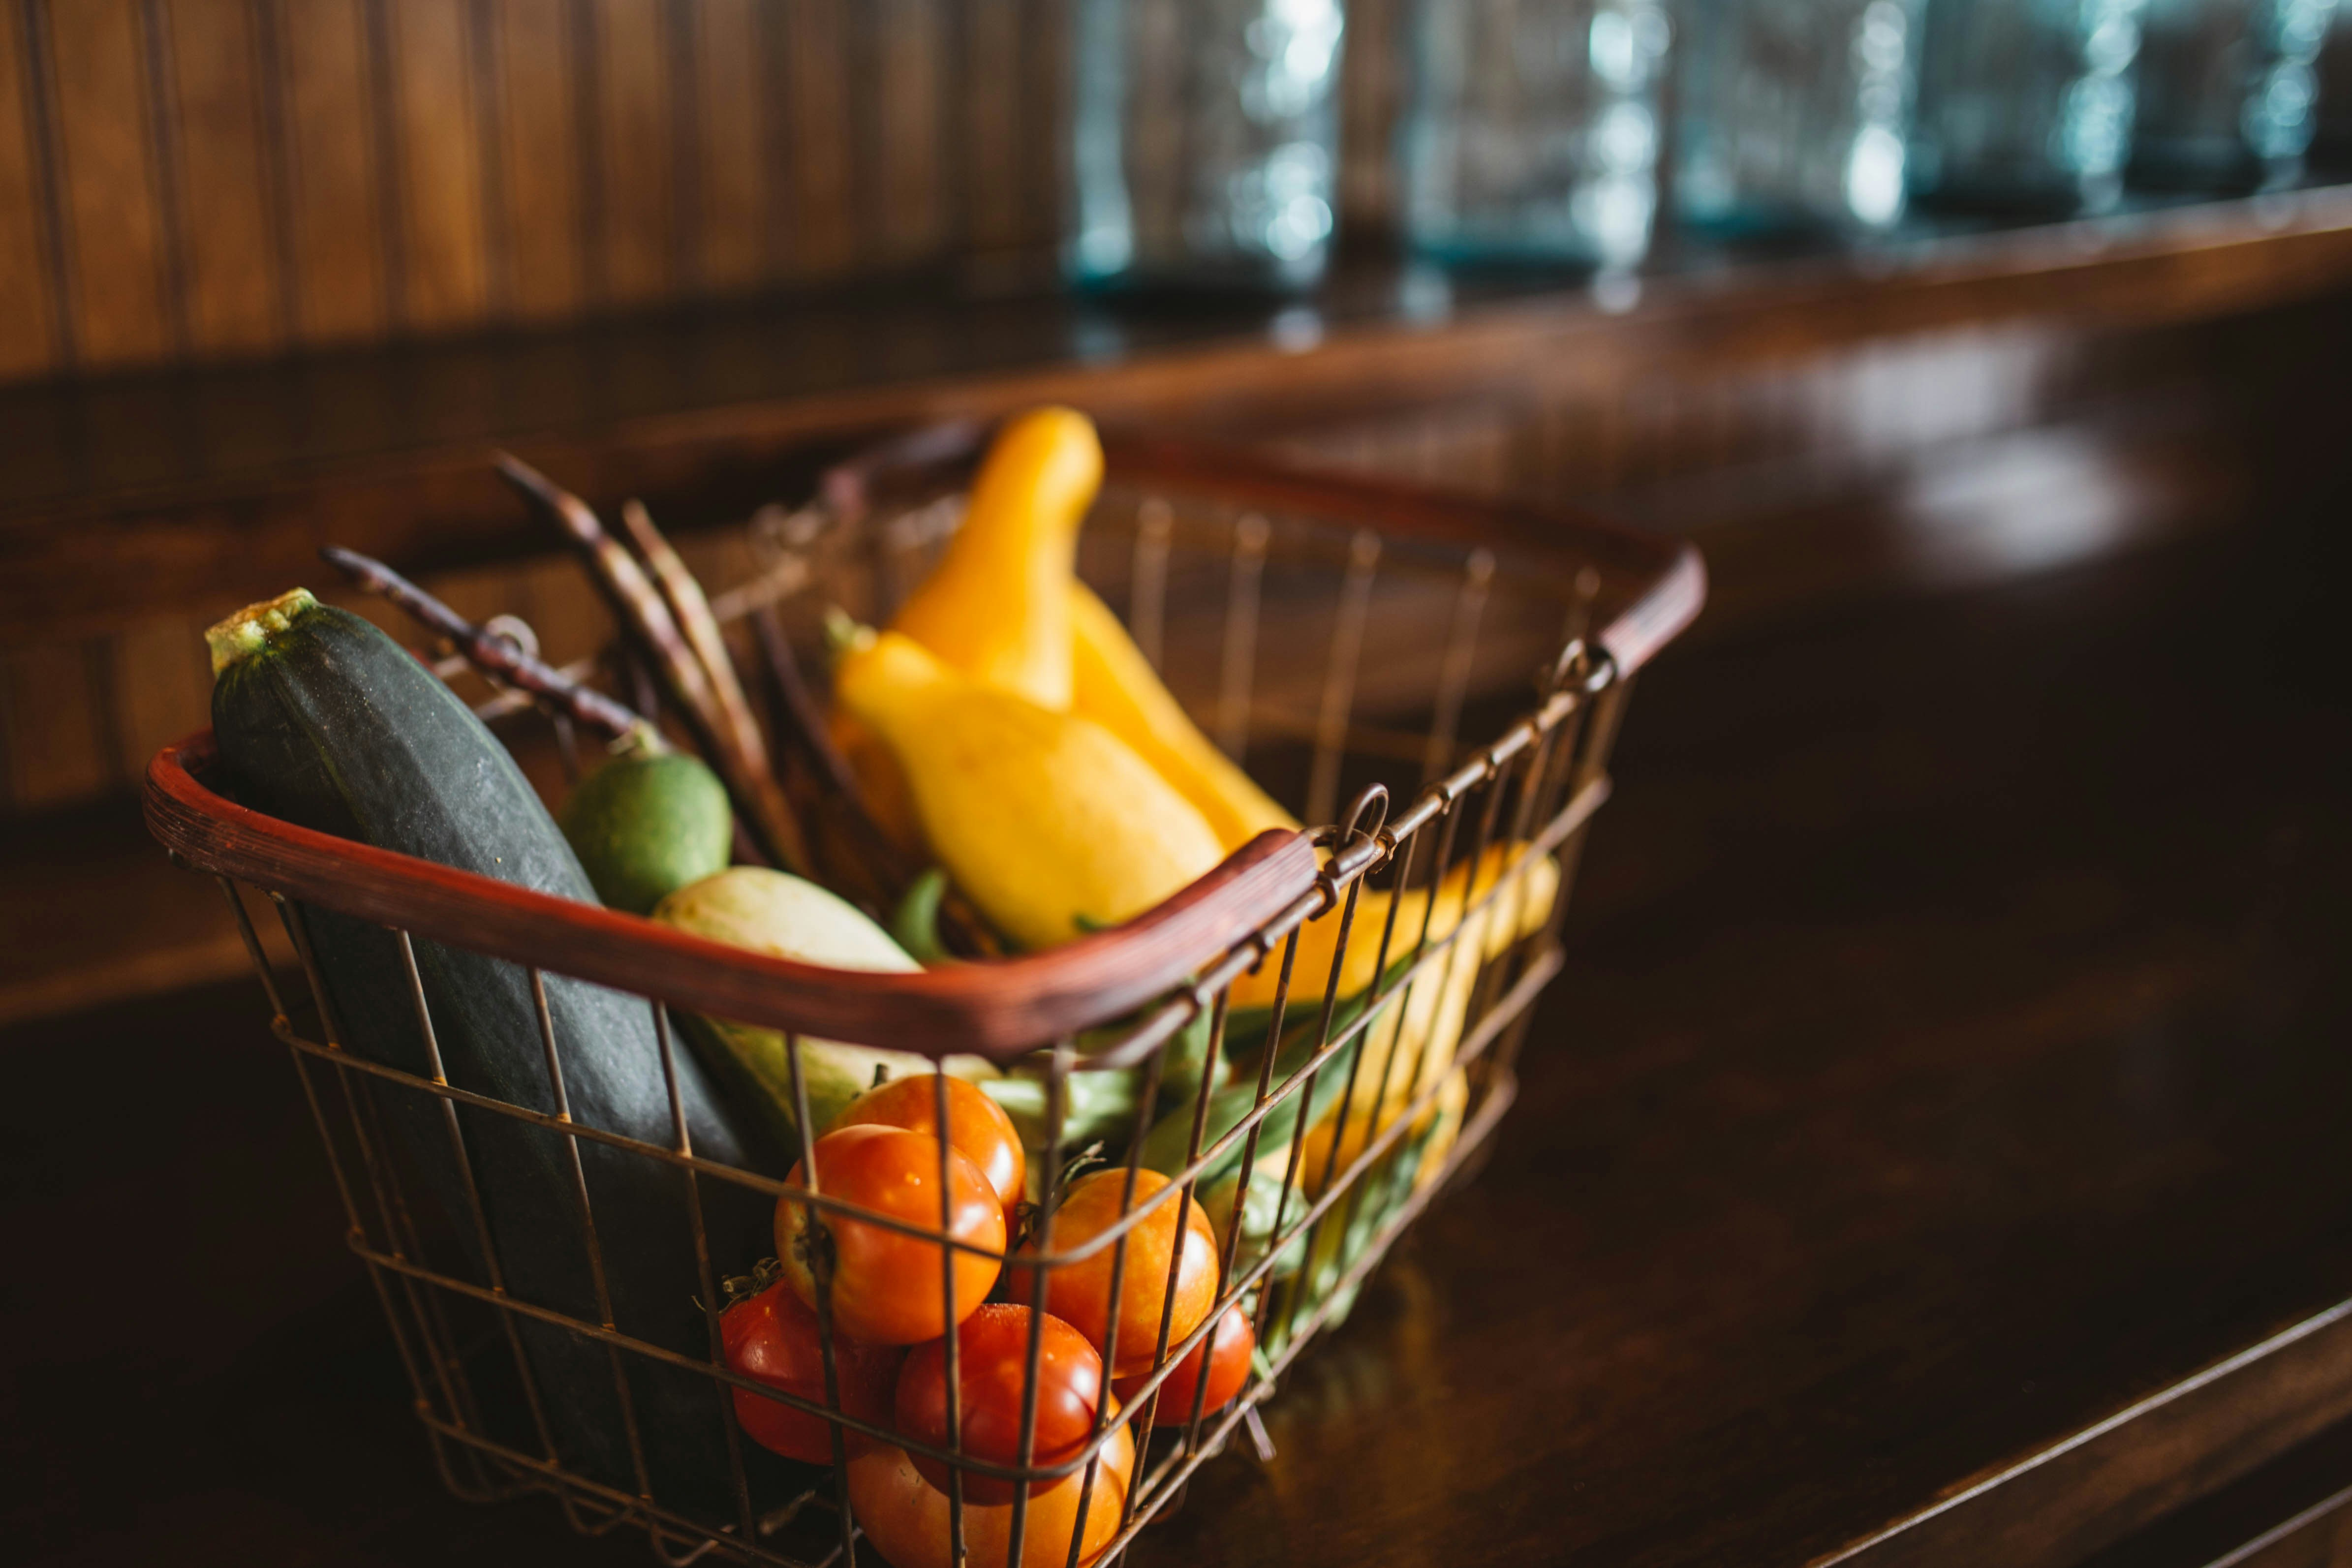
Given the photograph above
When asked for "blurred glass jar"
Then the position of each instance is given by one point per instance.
(2026, 103)
(2229, 96)
(1204, 143)
(2332, 147)
(1794, 114)
(1530, 130)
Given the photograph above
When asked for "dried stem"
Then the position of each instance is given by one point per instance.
(493, 655)
(792, 708)
(691, 609)
(646, 621)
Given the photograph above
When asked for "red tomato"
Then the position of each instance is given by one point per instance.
(886, 1286)
(1226, 1350)
(978, 1127)
(992, 1361)
(771, 1338)
(1079, 1292)
(906, 1517)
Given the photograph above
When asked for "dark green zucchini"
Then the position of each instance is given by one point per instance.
(326, 721)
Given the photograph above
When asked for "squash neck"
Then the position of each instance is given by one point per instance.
(247, 632)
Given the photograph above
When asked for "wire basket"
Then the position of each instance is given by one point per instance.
(1339, 634)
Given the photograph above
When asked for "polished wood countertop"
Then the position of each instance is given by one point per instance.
(1931, 1155)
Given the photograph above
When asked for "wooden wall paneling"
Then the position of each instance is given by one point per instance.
(245, 422)
(29, 337)
(43, 455)
(484, 83)
(780, 238)
(732, 152)
(230, 248)
(1043, 89)
(475, 592)
(949, 117)
(681, 22)
(161, 686)
(444, 278)
(335, 196)
(636, 200)
(818, 98)
(555, 595)
(118, 251)
(536, 143)
(59, 734)
(906, 86)
(988, 126)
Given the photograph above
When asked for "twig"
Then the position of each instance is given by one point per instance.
(792, 707)
(647, 623)
(691, 609)
(493, 655)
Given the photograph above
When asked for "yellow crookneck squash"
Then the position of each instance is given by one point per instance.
(1046, 821)
(1114, 685)
(997, 607)
(1518, 910)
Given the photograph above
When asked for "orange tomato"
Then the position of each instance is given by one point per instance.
(771, 1338)
(1227, 1352)
(978, 1127)
(1079, 1293)
(886, 1286)
(992, 1374)
(906, 1517)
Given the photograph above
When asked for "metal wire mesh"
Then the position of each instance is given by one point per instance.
(1339, 656)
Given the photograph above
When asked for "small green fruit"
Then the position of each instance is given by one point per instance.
(646, 824)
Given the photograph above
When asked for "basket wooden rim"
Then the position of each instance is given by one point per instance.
(1672, 574)
(1000, 1009)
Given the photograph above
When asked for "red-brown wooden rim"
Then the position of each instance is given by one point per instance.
(999, 1009)
(1671, 574)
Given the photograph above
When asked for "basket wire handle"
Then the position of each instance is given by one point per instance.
(1193, 1152)
(1146, 1099)
(1460, 660)
(491, 1265)
(818, 1238)
(1147, 600)
(1240, 655)
(712, 1308)
(1065, 1061)
(1353, 842)
(1339, 674)
(951, 1343)
(595, 1245)
(1143, 1419)
(297, 933)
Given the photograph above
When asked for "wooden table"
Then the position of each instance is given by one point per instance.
(1932, 1155)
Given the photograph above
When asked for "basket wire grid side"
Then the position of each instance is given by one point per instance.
(1536, 787)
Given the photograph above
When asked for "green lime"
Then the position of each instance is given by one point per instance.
(645, 825)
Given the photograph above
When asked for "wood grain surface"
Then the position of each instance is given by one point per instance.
(1948, 1062)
